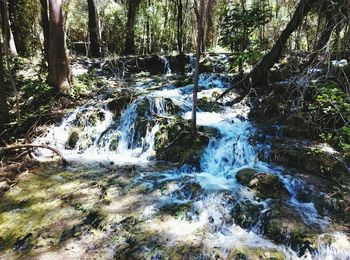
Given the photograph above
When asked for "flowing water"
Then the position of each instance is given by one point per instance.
(198, 201)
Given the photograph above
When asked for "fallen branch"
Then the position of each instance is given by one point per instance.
(33, 146)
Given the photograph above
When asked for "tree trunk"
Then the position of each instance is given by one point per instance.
(45, 25)
(259, 74)
(199, 16)
(6, 29)
(3, 98)
(180, 36)
(60, 76)
(326, 34)
(94, 30)
(130, 27)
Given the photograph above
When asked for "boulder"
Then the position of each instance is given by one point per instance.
(268, 186)
(120, 101)
(244, 176)
(318, 159)
(175, 143)
(284, 225)
(247, 214)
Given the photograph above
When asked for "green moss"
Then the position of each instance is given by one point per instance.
(73, 138)
(256, 254)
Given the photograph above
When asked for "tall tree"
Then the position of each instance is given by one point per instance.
(45, 24)
(60, 76)
(9, 40)
(3, 99)
(332, 20)
(180, 34)
(94, 30)
(199, 11)
(133, 6)
(259, 74)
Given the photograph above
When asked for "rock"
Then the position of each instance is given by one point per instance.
(284, 225)
(246, 214)
(4, 187)
(24, 243)
(120, 101)
(188, 191)
(209, 106)
(244, 176)
(175, 143)
(247, 253)
(268, 186)
(318, 159)
(73, 138)
(176, 208)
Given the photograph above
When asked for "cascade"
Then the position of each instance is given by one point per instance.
(101, 136)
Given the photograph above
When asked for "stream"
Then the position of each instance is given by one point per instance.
(118, 199)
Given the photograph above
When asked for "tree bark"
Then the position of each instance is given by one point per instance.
(4, 112)
(45, 24)
(326, 34)
(130, 27)
(259, 75)
(199, 17)
(60, 76)
(180, 36)
(94, 30)
(9, 40)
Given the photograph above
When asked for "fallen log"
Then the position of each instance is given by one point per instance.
(4, 150)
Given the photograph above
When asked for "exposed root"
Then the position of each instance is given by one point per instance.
(29, 147)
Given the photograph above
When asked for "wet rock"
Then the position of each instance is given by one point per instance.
(120, 101)
(284, 225)
(24, 243)
(268, 186)
(246, 214)
(4, 187)
(176, 208)
(244, 176)
(256, 254)
(314, 158)
(73, 138)
(175, 143)
(189, 191)
(93, 219)
(209, 106)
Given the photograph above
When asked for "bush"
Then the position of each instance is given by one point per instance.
(331, 111)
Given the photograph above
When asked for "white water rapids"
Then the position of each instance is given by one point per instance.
(104, 138)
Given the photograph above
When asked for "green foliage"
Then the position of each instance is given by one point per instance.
(24, 16)
(332, 105)
(240, 22)
(83, 85)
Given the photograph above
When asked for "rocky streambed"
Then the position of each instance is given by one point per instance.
(139, 186)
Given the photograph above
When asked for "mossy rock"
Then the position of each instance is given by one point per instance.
(73, 138)
(244, 176)
(306, 156)
(175, 142)
(284, 225)
(120, 101)
(205, 104)
(247, 214)
(176, 209)
(268, 186)
(247, 253)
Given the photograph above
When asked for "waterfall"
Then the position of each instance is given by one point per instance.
(192, 63)
(167, 68)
